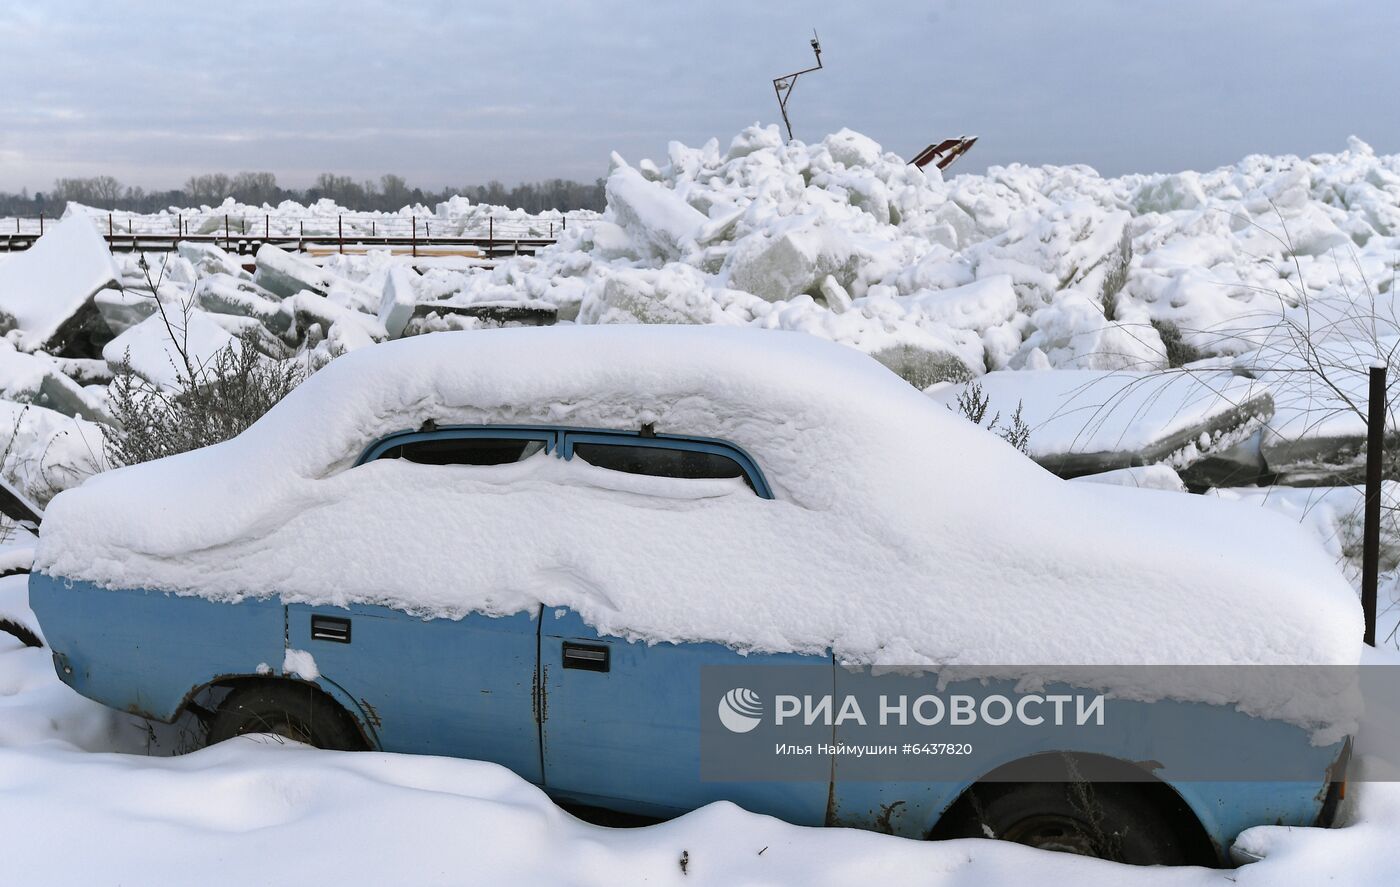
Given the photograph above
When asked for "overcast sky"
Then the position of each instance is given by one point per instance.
(452, 93)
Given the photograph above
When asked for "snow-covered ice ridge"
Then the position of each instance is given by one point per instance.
(1003, 270)
(1006, 270)
(1023, 268)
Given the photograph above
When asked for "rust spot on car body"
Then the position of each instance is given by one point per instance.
(142, 713)
(883, 823)
(371, 714)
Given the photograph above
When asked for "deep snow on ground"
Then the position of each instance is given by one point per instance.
(88, 796)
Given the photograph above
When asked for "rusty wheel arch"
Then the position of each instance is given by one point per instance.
(1091, 767)
(237, 682)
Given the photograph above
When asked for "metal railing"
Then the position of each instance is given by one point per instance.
(244, 232)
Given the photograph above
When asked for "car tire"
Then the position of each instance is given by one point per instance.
(1114, 821)
(291, 710)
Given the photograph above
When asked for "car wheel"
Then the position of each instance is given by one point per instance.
(1113, 821)
(295, 711)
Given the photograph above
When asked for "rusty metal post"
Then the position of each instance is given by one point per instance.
(1371, 536)
(267, 226)
(373, 229)
(109, 227)
(564, 222)
(415, 237)
(340, 232)
(228, 240)
(551, 230)
(490, 237)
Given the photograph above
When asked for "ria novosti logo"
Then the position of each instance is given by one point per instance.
(740, 710)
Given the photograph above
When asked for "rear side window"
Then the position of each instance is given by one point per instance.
(464, 450)
(661, 461)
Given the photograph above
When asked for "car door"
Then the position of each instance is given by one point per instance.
(464, 687)
(622, 724)
(622, 719)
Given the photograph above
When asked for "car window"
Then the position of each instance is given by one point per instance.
(660, 461)
(464, 450)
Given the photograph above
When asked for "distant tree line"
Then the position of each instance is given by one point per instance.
(388, 194)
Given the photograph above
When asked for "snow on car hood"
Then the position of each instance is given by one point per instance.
(901, 534)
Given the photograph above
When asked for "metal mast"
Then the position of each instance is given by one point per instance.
(782, 86)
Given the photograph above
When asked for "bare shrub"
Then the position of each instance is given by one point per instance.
(224, 397)
(210, 401)
(973, 404)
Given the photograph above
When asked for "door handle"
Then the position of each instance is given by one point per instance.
(330, 628)
(588, 657)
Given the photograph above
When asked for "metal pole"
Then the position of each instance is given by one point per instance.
(41, 223)
(267, 226)
(109, 227)
(340, 233)
(415, 237)
(228, 241)
(490, 237)
(1371, 538)
(782, 86)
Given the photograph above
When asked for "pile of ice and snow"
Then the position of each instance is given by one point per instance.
(1243, 281)
(1026, 269)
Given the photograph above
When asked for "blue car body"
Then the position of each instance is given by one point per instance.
(502, 689)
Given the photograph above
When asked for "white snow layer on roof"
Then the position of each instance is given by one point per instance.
(45, 285)
(900, 535)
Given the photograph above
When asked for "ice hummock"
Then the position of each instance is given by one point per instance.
(45, 287)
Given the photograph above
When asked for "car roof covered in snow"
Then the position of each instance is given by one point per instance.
(764, 390)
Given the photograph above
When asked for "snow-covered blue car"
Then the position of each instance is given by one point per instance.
(523, 546)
